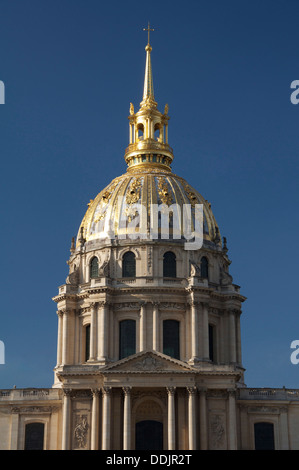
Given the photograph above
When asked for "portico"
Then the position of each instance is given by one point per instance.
(139, 392)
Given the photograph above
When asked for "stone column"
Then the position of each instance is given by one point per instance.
(203, 426)
(59, 337)
(171, 418)
(142, 334)
(205, 330)
(77, 347)
(191, 417)
(95, 420)
(93, 320)
(156, 326)
(238, 338)
(194, 330)
(127, 418)
(232, 336)
(232, 420)
(14, 430)
(284, 429)
(65, 331)
(106, 418)
(66, 419)
(131, 133)
(103, 331)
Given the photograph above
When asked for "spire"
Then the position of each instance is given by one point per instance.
(148, 127)
(148, 90)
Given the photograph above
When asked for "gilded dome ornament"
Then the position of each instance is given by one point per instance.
(163, 190)
(133, 194)
(148, 182)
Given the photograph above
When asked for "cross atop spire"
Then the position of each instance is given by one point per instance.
(148, 90)
(148, 29)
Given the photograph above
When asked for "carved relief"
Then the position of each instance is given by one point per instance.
(133, 193)
(217, 431)
(194, 269)
(108, 192)
(172, 306)
(73, 278)
(33, 409)
(163, 190)
(127, 306)
(149, 363)
(225, 278)
(149, 408)
(81, 432)
(190, 194)
(100, 217)
(158, 394)
(131, 213)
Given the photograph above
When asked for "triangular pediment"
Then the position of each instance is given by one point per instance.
(148, 362)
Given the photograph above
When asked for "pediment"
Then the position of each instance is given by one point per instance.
(148, 362)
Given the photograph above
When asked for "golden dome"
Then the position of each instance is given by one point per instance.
(122, 210)
(137, 204)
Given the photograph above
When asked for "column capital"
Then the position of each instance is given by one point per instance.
(127, 390)
(67, 392)
(106, 390)
(192, 390)
(93, 304)
(232, 311)
(171, 390)
(95, 392)
(63, 311)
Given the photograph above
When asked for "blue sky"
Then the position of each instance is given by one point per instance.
(71, 69)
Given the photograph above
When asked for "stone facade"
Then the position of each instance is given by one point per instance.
(193, 417)
(149, 344)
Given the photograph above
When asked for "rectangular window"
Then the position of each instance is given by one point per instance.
(87, 342)
(264, 436)
(127, 338)
(34, 436)
(171, 338)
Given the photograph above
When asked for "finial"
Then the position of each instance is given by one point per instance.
(72, 250)
(225, 245)
(148, 29)
(82, 239)
(148, 90)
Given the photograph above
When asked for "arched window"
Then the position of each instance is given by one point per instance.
(171, 338)
(34, 436)
(87, 342)
(140, 131)
(158, 132)
(129, 265)
(204, 267)
(127, 338)
(264, 436)
(94, 268)
(169, 264)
